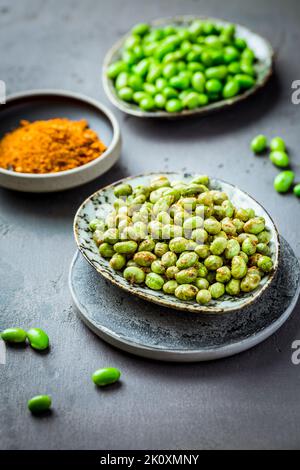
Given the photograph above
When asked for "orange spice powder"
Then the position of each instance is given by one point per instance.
(49, 146)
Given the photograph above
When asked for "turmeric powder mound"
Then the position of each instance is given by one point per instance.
(49, 146)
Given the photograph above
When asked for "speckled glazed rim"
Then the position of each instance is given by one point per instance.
(159, 298)
(116, 133)
(264, 69)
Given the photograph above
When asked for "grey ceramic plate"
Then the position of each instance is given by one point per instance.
(100, 204)
(49, 104)
(262, 48)
(160, 333)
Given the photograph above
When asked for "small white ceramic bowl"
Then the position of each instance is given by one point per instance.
(49, 104)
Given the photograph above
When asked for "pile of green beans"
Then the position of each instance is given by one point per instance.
(173, 67)
(36, 337)
(279, 157)
(185, 239)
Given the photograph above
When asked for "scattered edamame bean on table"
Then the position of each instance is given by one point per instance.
(176, 67)
(39, 404)
(184, 239)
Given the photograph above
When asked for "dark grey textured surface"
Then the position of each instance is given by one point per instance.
(164, 329)
(247, 401)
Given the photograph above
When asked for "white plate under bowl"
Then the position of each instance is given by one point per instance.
(49, 104)
(100, 204)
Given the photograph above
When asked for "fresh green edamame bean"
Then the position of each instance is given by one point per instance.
(176, 54)
(213, 262)
(259, 143)
(14, 335)
(279, 158)
(187, 260)
(116, 68)
(117, 262)
(198, 81)
(38, 339)
(216, 290)
(125, 93)
(134, 275)
(182, 83)
(170, 287)
(213, 86)
(238, 267)
(169, 70)
(277, 144)
(186, 292)
(203, 296)
(222, 244)
(265, 263)
(39, 404)
(284, 181)
(106, 376)
(174, 105)
(263, 249)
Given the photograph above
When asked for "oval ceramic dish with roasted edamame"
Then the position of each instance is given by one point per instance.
(263, 69)
(100, 204)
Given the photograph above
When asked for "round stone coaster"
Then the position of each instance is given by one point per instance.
(148, 330)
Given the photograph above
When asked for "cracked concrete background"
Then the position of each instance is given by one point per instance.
(247, 401)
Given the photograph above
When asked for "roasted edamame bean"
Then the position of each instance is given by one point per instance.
(279, 158)
(259, 143)
(296, 190)
(14, 335)
(207, 62)
(39, 404)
